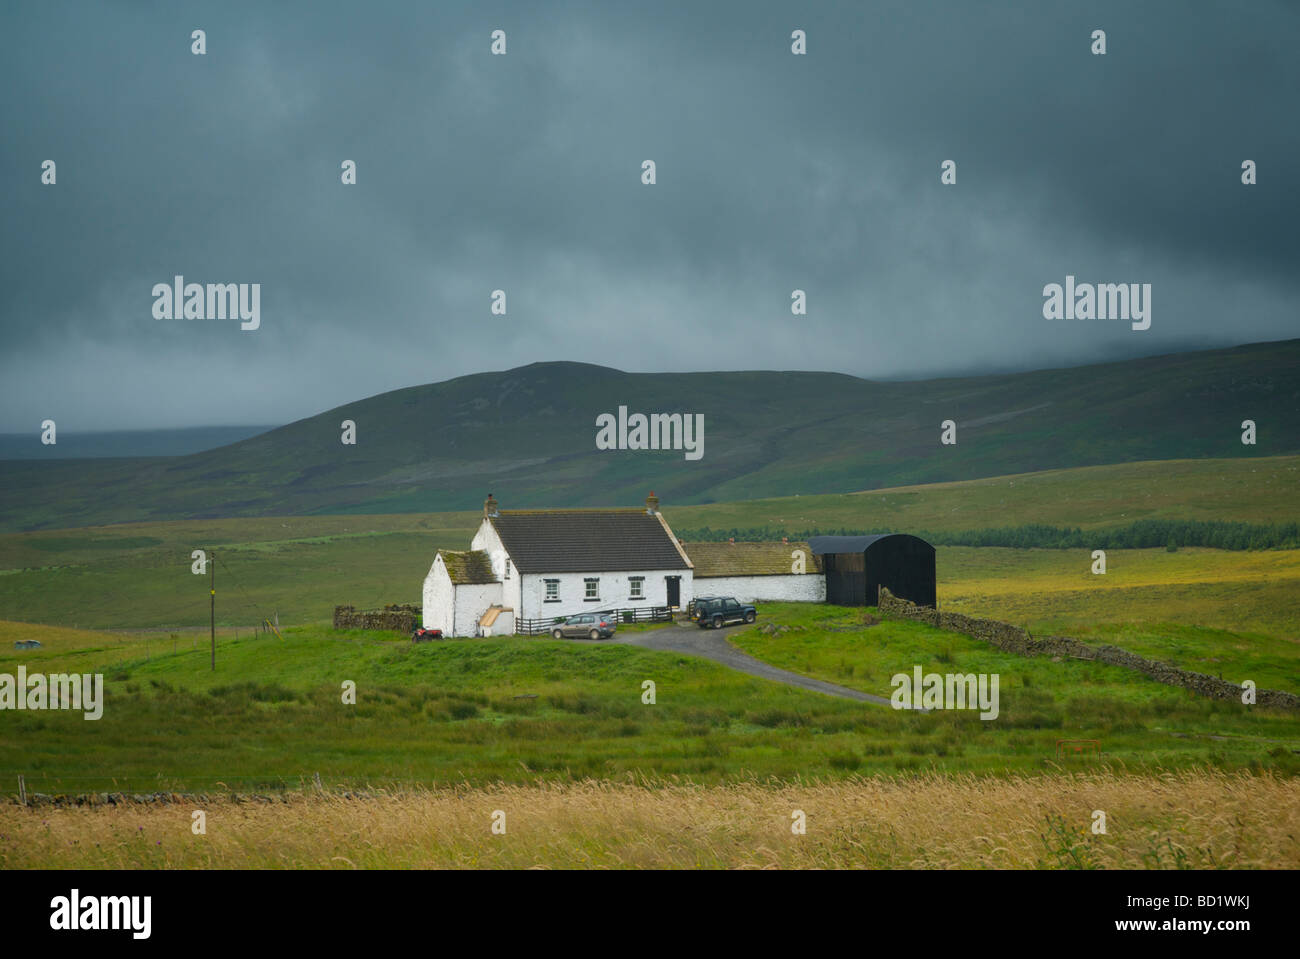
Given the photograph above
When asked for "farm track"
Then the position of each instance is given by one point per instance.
(712, 644)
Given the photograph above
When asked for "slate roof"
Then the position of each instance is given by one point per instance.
(587, 540)
(749, 559)
(470, 567)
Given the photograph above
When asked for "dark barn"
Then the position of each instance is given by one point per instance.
(857, 566)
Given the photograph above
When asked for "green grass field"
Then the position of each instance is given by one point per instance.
(1212, 611)
(139, 575)
(1258, 490)
(136, 576)
(519, 710)
(516, 710)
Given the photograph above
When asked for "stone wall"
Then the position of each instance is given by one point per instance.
(791, 588)
(1014, 639)
(400, 617)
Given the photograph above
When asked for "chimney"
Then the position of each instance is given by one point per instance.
(490, 506)
(652, 503)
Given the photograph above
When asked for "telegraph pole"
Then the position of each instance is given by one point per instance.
(212, 595)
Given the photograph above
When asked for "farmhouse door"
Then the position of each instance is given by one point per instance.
(674, 590)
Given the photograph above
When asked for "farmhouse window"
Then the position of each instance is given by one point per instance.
(552, 590)
(637, 585)
(593, 590)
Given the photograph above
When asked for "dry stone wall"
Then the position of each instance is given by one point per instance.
(1015, 639)
(401, 617)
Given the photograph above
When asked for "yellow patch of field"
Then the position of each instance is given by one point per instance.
(92, 649)
(1220, 589)
(1220, 612)
(53, 639)
(1196, 819)
(992, 571)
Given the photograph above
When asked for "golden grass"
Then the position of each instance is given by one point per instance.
(1195, 819)
(1220, 589)
(60, 642)
(997, 572)
(55, 638)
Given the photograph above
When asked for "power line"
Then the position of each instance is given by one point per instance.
(239, 586)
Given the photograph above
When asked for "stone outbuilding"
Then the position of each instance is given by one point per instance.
(754, 572)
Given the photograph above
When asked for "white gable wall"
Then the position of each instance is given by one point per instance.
(503, 568)
(438, 597)
(472, 601)
(486, 539)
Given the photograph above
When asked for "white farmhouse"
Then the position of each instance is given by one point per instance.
(524, 566)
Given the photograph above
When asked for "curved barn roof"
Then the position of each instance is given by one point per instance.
(850, 544)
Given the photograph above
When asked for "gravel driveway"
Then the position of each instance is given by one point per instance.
(712, 644)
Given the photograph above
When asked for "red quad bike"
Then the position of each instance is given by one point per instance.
(421, 635)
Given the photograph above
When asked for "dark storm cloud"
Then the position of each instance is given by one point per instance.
(521, 172)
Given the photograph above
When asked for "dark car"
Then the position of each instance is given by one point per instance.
(699, 603)
(694, 604)
(590, 625)
(718, 611)
(421, 635)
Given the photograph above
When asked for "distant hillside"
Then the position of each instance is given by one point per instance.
(528, 435)
(176, 442)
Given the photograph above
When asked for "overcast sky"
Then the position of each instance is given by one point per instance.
(523, 173)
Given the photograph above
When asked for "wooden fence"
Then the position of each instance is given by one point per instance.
(640, 614)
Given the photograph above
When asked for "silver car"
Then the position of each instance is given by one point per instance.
(590, 625)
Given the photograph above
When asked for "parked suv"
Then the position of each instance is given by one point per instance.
(591, 625)
(695, 604)
(718, 611)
